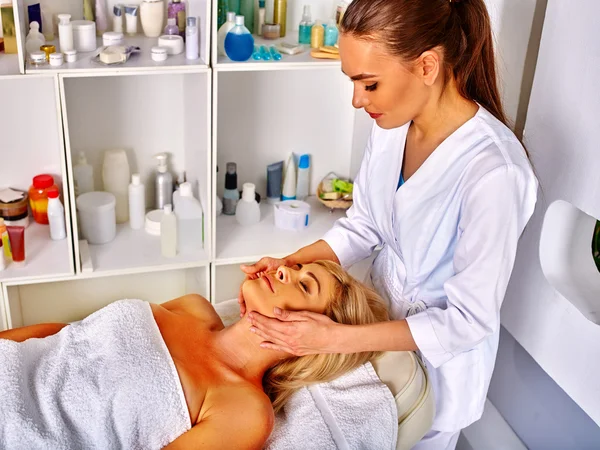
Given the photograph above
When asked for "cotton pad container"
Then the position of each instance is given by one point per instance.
(97, 216)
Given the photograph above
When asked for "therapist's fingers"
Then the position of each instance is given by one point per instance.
(265, 264)
(242, 302)
(273, 337)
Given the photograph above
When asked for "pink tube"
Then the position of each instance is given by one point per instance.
(17, 243)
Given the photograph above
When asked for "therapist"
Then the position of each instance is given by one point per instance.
(445, 188)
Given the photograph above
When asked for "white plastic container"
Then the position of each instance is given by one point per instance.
(152, 222)
(84, 35)
(116, 176)
(97, 218)
(159, 54)
(168, 233)
(222, 33)
(192, 42)
(56, 216)
(247, 211)
(172, 42)
(303, 177)
(56, 59)
(189, 218)
(137, 203)
(65, 33)
(70, 56)
(112, 38)
(83, 174)
(289, 181)
(152, 16)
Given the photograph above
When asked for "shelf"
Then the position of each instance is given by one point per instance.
(287, 62)
(134, 251)
(44, 258)
(138, 63)
(9, 65)
(237, 244)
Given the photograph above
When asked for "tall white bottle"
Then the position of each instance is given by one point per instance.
(247, 211)
(222, 33)
(168, 233)
(115, 175)
(65, 32)
(137, 203)
(192, 41)
(303, 177)
(189, 218)
(56, 216)
(289, 180)
(83, 173)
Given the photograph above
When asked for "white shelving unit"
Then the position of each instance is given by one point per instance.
(203, 116)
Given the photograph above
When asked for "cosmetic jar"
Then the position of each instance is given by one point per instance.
(84, 35)
(271, 31)
(70, 56)
(112, 38)
(48, 49)
(16, 213)
(159, 53)
(37, 58)
(173, 43)
(152, 222)
(56, 59)
(97, 216)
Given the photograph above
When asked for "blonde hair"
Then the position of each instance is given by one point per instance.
(353, 304)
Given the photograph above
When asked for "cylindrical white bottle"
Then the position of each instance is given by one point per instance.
(65, 32)
(222, 33)
(83, 174)
(137, 203)
(247, 211)
(56, 216)
(115, 174)
(192, 39)
(168, 233)
(289, 181)
(303, 177)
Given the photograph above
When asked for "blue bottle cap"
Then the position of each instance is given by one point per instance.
(304, 162)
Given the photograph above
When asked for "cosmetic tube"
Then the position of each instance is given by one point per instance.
(17, 243)
(117, 17)
(289, 182)
(274, 177)
(131, 19)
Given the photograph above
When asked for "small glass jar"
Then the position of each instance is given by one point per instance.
(38, 58)
(38, 197)
(271, 31)
(15, 212)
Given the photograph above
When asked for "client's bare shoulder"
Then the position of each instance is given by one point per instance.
(196, 306)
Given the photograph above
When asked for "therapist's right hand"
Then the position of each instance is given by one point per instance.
(254, 271)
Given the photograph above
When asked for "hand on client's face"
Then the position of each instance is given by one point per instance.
(254, 271)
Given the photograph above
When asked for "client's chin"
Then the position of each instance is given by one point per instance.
(256, 298)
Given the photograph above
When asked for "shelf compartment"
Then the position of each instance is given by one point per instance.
(238, 244)
(566, 257)
(67, 301)
(9, 65)
(145, 115)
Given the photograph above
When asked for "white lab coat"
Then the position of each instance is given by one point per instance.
(449, 238)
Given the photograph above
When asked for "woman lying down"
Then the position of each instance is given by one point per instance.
(140, 375)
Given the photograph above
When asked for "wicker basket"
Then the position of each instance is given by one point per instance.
(333, 204)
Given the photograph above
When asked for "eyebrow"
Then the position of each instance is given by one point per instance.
(312, 275)
(361, 76)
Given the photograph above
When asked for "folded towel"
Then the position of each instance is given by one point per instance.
(106, 382)
(355, 411)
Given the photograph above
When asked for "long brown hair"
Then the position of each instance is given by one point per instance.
(461, 29)
(352, 303)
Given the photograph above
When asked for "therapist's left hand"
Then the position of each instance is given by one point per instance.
(297, 332)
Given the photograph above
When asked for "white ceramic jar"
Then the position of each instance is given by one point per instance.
(97, 217)
(112, 38)
(84, 35)
(152, 16)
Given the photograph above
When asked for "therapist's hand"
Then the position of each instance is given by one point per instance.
(297, 332)
(254, 271)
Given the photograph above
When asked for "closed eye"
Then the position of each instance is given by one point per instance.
(304, 286)
(371, 87)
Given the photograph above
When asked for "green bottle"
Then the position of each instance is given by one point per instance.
(247, 10)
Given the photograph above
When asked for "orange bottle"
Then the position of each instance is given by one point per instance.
(38, 197)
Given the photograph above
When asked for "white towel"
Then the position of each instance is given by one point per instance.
(106, 382)
(355, 411)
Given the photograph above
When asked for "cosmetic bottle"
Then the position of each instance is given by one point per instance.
(280, 15)
(100, 13)
(16, 236)
(189, 218)
(303, 177)
(171, 28)
(192, 50)
(168, 233)
(317, 35)
(247, 10)
(116, 176)
(38, 197)
(65, 32)
(235, 6)
(247, 211)
(5, 241)
(331, 33)
(289, 181)
(260, 18)
(231, 195)
(176, 10)
(163, 183)
(117, 18)
(137, 203)
(222, 33)
(341, 10)
(56, 216)
(305, 26)
(34, 39)
(274, 181)
(83, 174)
(239, 43)
(152, 17)
(131, 19)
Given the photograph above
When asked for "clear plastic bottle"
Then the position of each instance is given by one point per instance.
(247, 211)
(83, 174)
(239, 43)
(176, 9)
(331, 33)
(222, 33)
(231, 195)
(34, 39)
(137, 203)
(171, 28)
(303, 177)
(56, 216)
(168, 233)
(65, 33)
(189, 218)
(305, 26)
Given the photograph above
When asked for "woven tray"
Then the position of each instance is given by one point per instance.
(333, 204)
